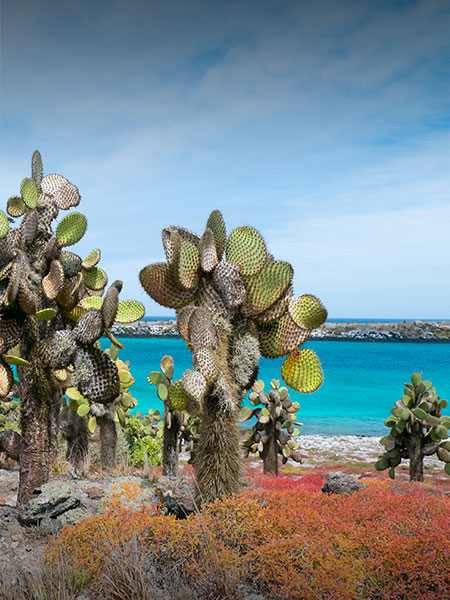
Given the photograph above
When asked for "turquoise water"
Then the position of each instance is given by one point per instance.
(362, 379)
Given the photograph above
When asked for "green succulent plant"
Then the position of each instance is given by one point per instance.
(234, 304)
(275, 427)
(44, 289)
(417, 429)
(143, 434)
(174, 397)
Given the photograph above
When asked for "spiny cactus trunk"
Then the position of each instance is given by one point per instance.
(108, 441)
(415, 458)
(270, 453)
(36, 395)
(77, 440)
(217, 460)
(170, 445)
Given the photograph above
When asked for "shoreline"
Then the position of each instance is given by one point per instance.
(406, 331)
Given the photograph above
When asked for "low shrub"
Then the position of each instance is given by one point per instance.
(294, 543)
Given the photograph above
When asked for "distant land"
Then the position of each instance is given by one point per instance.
(376, 331)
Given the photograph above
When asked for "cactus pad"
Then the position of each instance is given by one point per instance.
(53, 283)
(71, 263)
(281, 336)
(36, 168)
(26, 298)
(58, 350)
(229, 284)
(64, 194)
(160, 285)
(28, 227)
(205, 361)
(29, 193)
(92, 302)
(188, 264)
(194, 383)
(167, 366)
(265, 288)
(6, 378)
(110, 303)
(129, 311)
(46, 314)
(183, 317)
(301, 371)
(201, 330)
(208, 251)
(89, 327)
(15, 206)
(277, 309)
(307, 311)
(10, 332)
(95, 278)
(96, 376)
(71, 229)
(217, 225)
(92, 259)
(247, 249)
(4, 224)
(177, 395)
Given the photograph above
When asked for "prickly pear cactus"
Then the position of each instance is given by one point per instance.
(234, 304)
(52, 306)
(274, 430)
(418, 429)
(172, 394)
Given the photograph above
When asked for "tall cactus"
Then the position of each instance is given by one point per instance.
(274, 429)
(234, 304)
(52, 313)
(418, 429)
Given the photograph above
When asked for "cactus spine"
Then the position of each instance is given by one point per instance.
(234, 304)
(42, 287)
(418, 429)
(274, 429)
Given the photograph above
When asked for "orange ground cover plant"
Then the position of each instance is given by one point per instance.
(302, 545)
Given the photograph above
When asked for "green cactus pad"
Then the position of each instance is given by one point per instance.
(302, 372)
(217, 225)
(6, 378)
(229, 284)
(194, 383)
(265, 288)
(92, 425)
(71, 229)
(12, 359)
(247, 249)
(188, 264)
(276, 310)
(307, 311)
(167, 366)
(15, 206)
(244, 413)
(53, 283)
(4, 224)
(162, 391)
(177, 395)
(208, 251)
(92, 302)
(161, 286)
(95, 278)
(64, 194)
(129, 311)
(83, 410)
(29, 192)
(281, 336)
(155, 377)
(92, 259)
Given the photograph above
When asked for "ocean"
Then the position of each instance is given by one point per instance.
(362, 380)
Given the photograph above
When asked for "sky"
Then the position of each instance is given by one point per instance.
(321, 123)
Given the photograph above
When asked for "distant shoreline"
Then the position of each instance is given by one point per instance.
(405, 331)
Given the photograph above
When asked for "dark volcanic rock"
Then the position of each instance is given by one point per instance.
(52, 499)
(339, 483)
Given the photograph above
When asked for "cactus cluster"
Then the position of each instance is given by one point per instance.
(418, 429)
(234, 304)
(143, 434)
(46, 293)
(275, 427)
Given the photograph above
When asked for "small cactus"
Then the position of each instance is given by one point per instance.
(275, 427)
(418, 429)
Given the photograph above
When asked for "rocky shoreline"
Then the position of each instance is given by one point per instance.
(406, 331)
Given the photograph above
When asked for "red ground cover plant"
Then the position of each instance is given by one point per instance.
(268, 481)
(378, 543)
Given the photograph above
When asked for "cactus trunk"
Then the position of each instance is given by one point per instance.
(217, 459)
(170, 445)
(415, 458)
(77, 440)
(36, 396)
(270, 453)
(108, 441)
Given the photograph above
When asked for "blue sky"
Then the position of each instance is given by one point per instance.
(323, 124)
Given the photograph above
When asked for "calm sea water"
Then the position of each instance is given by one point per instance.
(362, 379)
